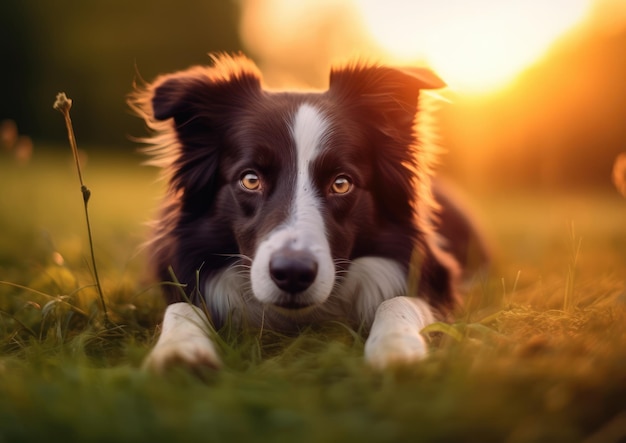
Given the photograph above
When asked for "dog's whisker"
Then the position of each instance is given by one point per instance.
(240, 267)
(342, 264)
(239, 256)
(341, 279)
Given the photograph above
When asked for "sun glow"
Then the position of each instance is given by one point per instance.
(476, 46)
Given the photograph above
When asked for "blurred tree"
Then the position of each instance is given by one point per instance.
(93, 51)
(17, 64)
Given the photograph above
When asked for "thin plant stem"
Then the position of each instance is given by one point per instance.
(63, 104)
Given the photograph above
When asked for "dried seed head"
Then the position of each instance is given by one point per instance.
(62, 103)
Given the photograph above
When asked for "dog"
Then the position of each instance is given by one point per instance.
(284, 209)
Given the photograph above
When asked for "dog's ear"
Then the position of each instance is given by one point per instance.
(387, 90)
(388, 95)
(179, 95)
(200, 103)
(201, 92)
(426, 78)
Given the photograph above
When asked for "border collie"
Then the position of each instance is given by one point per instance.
(288, 208)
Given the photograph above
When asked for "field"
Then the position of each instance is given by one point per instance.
(537, 355)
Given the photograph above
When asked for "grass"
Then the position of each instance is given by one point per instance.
(538, 354)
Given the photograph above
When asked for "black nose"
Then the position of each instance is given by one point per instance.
(293, 271)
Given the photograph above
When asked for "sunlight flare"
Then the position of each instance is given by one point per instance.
(475, 46)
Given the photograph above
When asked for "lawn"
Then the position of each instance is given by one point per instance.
(538, 353)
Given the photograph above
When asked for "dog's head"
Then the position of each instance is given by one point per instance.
(293, 185)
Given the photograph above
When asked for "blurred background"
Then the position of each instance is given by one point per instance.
(536, 96)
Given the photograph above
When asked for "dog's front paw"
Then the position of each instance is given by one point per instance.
(384, 351)
(184, 342)
(195, 354)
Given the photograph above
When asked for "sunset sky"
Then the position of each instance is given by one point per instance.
(476, 46)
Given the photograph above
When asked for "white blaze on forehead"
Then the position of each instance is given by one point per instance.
(304, 228)
(308, 131)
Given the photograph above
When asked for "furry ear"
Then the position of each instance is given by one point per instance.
(387, 96)
(202, 90)
(199, 103)
(175, 95)
(383, 85)
(426, 78)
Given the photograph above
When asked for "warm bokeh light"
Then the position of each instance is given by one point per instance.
(476, 46)
(295, 41)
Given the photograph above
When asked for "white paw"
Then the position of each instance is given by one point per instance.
(184, 342)
(384, 351)
(196, 354)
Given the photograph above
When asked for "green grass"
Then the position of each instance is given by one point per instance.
(539, 354)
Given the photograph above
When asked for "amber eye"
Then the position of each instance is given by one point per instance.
(250, 181)
(341, 185)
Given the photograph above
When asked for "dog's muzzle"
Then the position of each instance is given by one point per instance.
(293, 269)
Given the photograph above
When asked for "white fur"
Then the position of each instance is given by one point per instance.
(395, 335)
(369, 282)
(184, 340)
(225, 293)
(304, 228)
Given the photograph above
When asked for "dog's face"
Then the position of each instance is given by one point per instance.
(293, 185)
(301, 187)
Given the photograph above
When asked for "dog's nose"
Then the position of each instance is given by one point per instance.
(292, 270)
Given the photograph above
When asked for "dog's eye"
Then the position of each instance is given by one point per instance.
(341, 185)
(250, 181)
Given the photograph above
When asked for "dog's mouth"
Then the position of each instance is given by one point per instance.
(292, 304)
